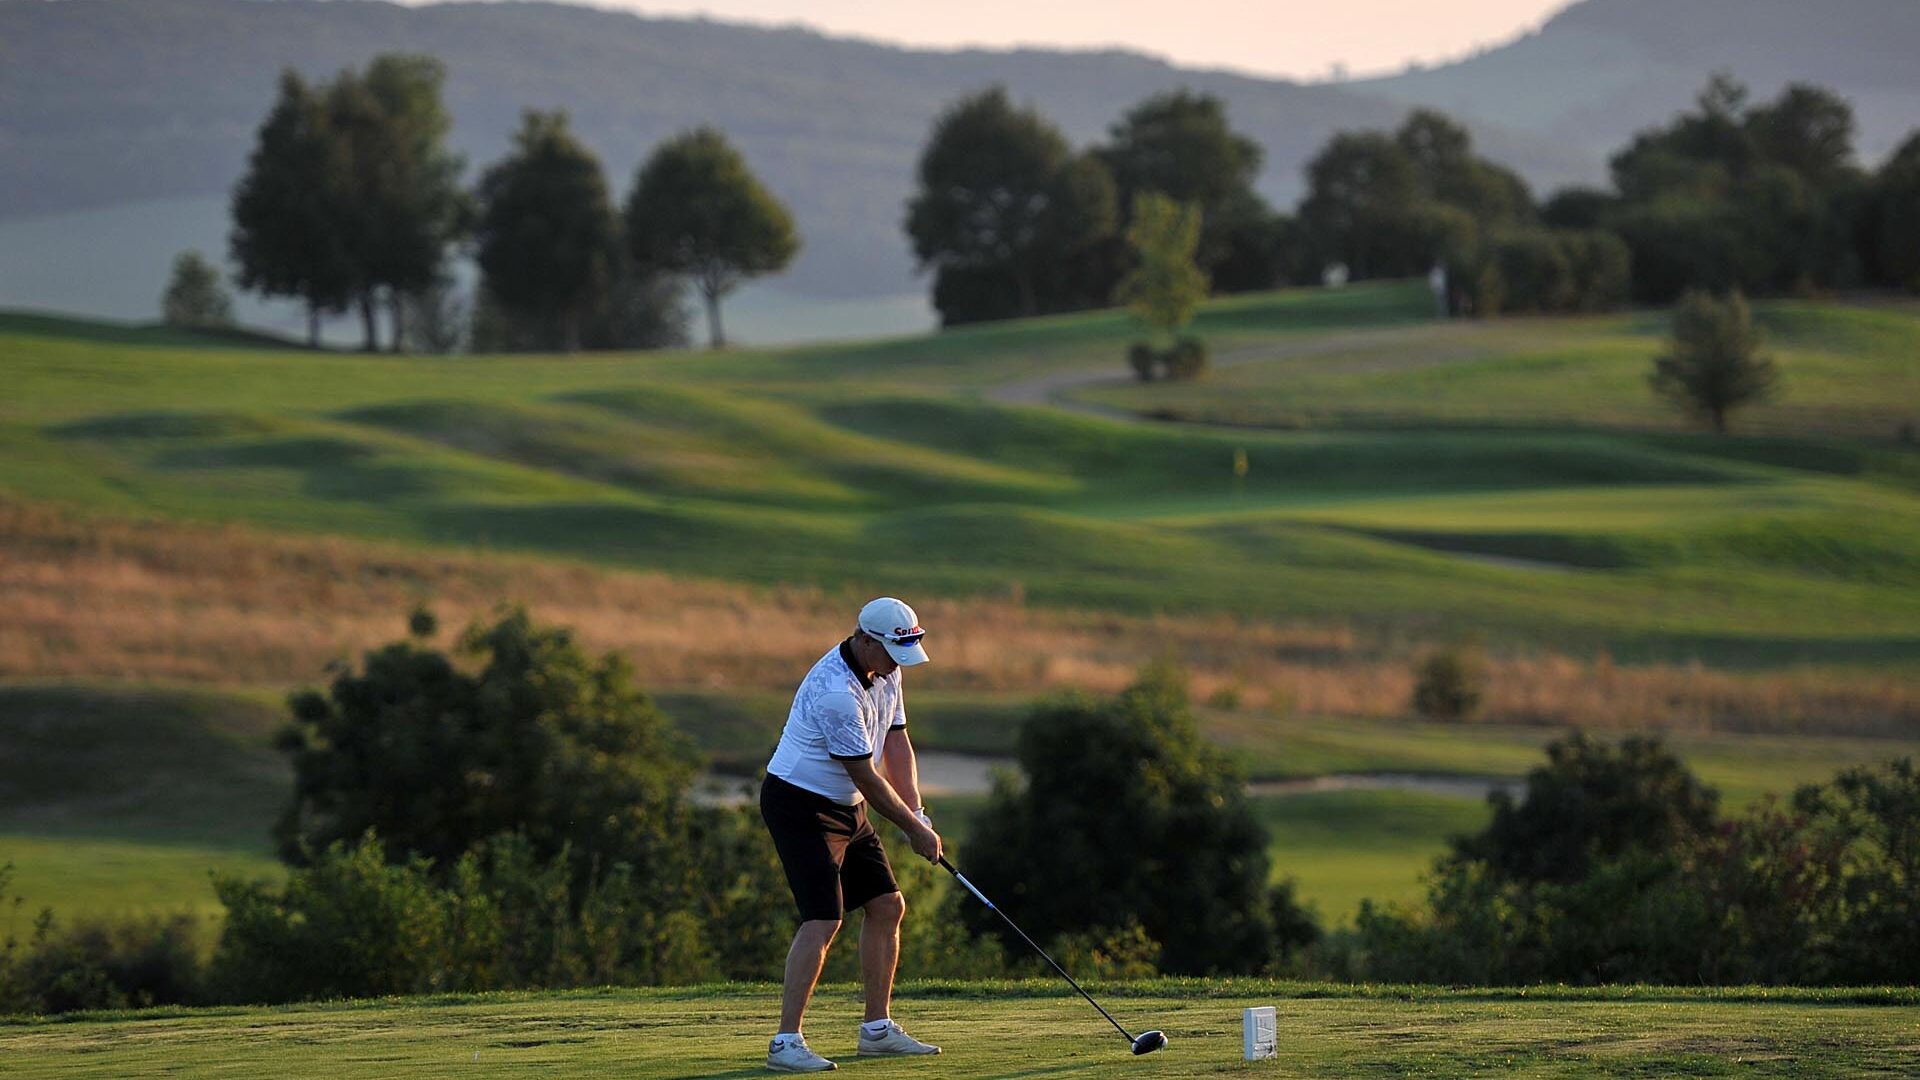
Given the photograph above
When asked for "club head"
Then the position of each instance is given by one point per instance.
(1149, 1041)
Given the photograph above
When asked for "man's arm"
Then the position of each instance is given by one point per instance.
(883, 798)
(903, 770)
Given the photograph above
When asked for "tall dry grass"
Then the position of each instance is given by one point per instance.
(114, 599)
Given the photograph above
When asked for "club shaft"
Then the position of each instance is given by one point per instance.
(995, 908)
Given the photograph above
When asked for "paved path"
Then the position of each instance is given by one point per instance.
(944, 773)
(1055, 387)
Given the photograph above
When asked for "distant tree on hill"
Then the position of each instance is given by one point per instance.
(288, 236)
(1760, 197)
(1180, 145)
(1715, 364)
(1893, 225)
(194, 297)
(1362, 189)
(1165, 285)
(549, 237)
(1007, 216)
(696, 209)
(411, 204)
(351, 191)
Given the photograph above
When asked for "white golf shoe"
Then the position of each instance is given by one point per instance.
(793, 1055)
(895, 1042)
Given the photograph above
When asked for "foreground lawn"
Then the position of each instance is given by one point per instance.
(1008, 1030)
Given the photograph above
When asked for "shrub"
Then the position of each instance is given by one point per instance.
(543, 740)
(1188, 359)
(1449, 685)
(1127, 813)
(1141, 358)
(102, 965)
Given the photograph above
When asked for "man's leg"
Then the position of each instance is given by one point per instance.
(804, 961)
(880, 951)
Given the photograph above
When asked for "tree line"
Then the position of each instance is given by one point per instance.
(1011, 220)
(512, 812)
(351, 200)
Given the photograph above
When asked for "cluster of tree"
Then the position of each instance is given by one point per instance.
(1419, 201)
(1617, 867)
(351, 198)
(1012, 221)
(1764, 198)
(1767, 198)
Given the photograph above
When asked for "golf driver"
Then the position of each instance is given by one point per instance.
(1144, 1043)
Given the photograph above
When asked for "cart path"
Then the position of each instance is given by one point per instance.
(944, 773)
(1054, 387)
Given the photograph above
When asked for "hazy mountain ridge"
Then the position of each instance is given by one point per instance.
(1601, 69)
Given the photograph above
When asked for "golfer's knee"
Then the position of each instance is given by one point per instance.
(819, 932)
(888, 909)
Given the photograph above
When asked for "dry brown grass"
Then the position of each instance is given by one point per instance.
(95, 598)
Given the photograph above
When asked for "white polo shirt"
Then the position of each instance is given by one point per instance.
(837, 717)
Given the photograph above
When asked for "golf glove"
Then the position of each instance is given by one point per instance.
(921, 813)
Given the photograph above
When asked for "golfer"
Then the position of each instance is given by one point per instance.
(845, 746)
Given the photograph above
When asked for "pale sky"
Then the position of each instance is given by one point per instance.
(1298, 39)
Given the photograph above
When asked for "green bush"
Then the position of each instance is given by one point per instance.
(1615, 869)
(1141, 358)
(1127, 814)
(102, 965)
(1188, 359)
(1449, 684)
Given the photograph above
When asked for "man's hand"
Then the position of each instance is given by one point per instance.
(926, 843)
(921, 813)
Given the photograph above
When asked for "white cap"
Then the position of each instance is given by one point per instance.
(892, 623)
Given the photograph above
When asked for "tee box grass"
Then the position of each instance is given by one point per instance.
(1002, 1030)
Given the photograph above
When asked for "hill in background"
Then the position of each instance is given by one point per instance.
(1602, 69)
(125, 123)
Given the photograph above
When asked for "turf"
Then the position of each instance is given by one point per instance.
(1003, 1030)
(122, 801)
(1607, 530)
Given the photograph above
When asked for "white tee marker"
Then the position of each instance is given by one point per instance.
(1259, 1033)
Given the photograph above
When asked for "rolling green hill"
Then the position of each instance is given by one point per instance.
(885, 461)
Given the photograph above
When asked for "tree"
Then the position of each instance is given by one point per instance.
(1715, 365)
(194, 296)
(1756, 197)
(411, 195)
(1361, 191)
(1165, 285)
(1180, 145)
(1590, 803)
(1894, 225)
(1006, 215)
(542, 740)
(1442, 155)
(1128, 818)
(696, 209)
(288, 236)
(548, 236)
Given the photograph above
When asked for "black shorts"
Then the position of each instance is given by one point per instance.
(832, 856)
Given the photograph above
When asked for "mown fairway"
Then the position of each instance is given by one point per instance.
(789, 466)
(1009, 1030)
(1408, 484)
